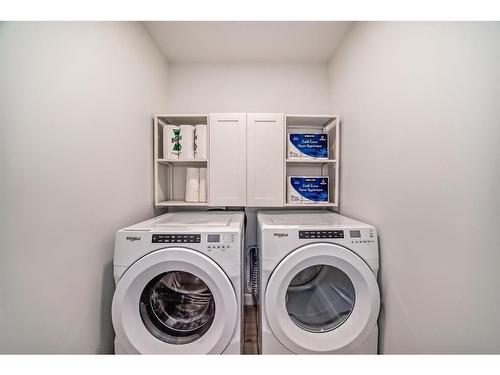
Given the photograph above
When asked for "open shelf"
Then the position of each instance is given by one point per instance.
(314, 167)
(171, 184)
(310, 161)
(183, 119)
(180, 203)
(310, 205)
(170, 174)
(309, 121)
(194, 162)
(315, 124)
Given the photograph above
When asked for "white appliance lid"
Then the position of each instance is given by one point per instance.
(192, 219)
(308, 218)
(196, 218)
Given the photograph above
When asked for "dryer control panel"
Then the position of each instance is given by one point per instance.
(220, 241)
(220, 237)
(362, 236)
(303, 234)
(176, 238)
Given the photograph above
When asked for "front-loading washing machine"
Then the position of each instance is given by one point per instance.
(178, 284)
(319, 291)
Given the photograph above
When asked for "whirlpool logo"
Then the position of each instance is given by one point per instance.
(280, 235)
(133, 238)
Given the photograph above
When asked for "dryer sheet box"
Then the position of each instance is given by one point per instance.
(307, 189)
(307, 146)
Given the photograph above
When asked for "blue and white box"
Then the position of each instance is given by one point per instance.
(308, 146)
(308, 189)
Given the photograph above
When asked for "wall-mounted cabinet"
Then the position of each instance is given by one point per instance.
(227, 149)
(246, 160)
(265, 170)
(246, 164)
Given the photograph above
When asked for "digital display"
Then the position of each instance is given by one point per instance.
(355, 233)
(213, 238)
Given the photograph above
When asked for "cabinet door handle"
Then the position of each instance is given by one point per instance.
(228, 120)
(264, 120)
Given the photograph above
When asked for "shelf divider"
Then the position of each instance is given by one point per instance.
(170, 203)
(311, 161)
(182, 162)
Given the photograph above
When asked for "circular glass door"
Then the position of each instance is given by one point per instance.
(174, 301)
(320, 298)
(177, 307)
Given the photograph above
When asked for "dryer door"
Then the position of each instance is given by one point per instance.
(322, 298)
(174, 301)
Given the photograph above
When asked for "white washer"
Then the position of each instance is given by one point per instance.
(178, 284)
(319, 291)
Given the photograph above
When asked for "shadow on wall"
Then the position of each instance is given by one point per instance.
(105, 345)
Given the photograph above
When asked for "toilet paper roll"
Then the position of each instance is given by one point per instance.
(187, 142)
(171, 141)
(200, 141)
(202, 196)
(192, 184)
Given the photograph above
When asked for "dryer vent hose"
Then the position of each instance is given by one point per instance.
(255, 287)
(254, 273)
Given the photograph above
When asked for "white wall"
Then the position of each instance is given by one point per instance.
(248, 87)
(76, 103)
(421, 161)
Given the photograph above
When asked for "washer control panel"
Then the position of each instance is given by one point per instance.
(303, 234)
(176, 238)
(220, 241)
(362, 236)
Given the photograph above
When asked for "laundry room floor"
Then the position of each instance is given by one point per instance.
(250, 333)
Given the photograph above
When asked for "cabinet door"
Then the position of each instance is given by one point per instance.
(265, 159)
(227, 159)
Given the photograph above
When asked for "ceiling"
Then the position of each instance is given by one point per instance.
(248, 41)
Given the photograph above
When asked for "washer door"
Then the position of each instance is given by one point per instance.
(322, 298)
(174, 301)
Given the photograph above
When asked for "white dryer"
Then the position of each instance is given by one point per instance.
(178, 284)
(319, 291)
